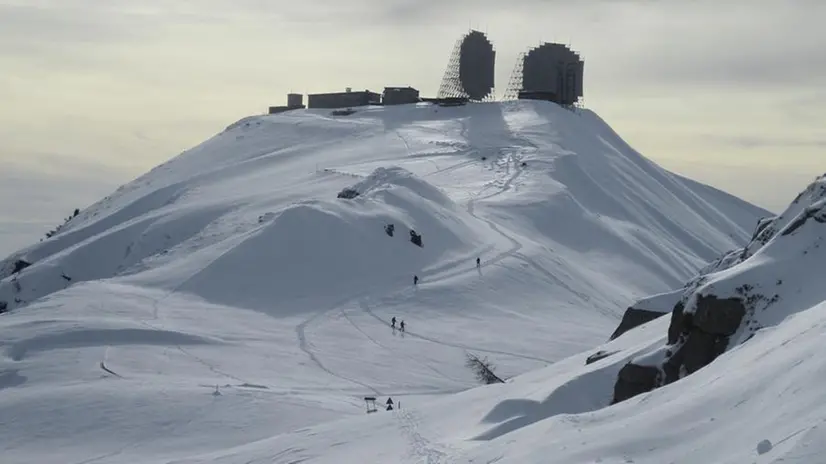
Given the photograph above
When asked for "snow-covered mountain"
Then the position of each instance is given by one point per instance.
(228, 306)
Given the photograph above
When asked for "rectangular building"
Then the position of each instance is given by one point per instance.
(343, 99)
(400, 95)
(295, 100)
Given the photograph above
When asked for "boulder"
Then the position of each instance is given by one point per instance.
(633, 380)
(719, 316)
(698, 350)
(348, 194)
(415, 238)
(597, 356)
(19, 265)
(698, 338)
(633, 318)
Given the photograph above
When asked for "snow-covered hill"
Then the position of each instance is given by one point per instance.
(760, 401)
(228, 296)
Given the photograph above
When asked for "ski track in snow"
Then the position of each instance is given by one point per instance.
(380, 345)
(422, 450)
(305, 346)
(366, 307)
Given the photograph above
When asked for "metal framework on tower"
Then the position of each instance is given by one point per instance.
(451, 84)
(470, 70)
(515, 81)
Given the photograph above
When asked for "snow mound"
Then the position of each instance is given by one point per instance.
(386, 179)
(318, 253)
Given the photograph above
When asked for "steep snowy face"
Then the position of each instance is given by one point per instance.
(776, 275)
(652, 307)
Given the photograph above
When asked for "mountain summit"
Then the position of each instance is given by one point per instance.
(244, 289)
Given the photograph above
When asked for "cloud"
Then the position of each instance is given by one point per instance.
(753, 141)
(128, 84)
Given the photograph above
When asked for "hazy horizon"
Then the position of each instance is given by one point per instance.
(95, 94)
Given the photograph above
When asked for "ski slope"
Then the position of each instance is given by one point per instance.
(227, 305)
(759, 402)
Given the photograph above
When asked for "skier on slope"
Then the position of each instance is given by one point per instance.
(393, 323)
(401, 326)
(415, 280)
(478, 262)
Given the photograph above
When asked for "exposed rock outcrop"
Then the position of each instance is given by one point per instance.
(633, 318)
(634, 379)
(19, 265)
(348, 194)
(735, 296)
(415, 238)
(597, 356)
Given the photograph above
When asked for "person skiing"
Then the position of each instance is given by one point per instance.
(478, 262)
(401, 326)
(415, 280)
(393, 323)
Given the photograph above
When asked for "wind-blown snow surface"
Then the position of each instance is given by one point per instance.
(228, 296)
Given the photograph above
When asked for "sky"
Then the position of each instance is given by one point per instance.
(94, 93)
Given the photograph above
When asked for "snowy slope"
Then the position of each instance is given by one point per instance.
(234, 265)
(758, 402)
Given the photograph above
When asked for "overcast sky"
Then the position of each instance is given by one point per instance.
(95, 92)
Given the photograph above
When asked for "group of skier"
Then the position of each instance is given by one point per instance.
(393, 324)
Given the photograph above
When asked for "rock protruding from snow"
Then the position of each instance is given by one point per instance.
(742, 292)
(634, 317)
(764, 447)
(601, 354)
(347, 194)
(634, 379)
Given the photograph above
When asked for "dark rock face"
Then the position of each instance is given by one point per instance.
(348, 194)
(19, 265)
(699, 336)
(597, 356)
(694, 339)
(697, 351)
(698, 339)
(415, 238)
(676, 326)
(633, 380)
(633, 318)
(719, 316)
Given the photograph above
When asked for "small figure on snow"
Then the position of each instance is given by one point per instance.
(393, 323)
(401, 326)
(415, 280)
(478, 262)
